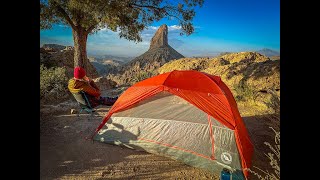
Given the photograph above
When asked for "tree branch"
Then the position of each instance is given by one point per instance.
(91, 28)
(65, 15)
(173, 16)
(94, 25)
(145, 6)
(159, 8)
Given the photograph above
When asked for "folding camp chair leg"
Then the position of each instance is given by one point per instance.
(91, 115)
(79, 112)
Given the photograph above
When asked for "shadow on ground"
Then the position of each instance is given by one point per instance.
(65, 154)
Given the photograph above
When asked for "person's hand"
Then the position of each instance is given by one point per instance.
(87, 78)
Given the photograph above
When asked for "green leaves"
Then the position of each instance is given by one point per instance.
(53, 82)
(130, 17)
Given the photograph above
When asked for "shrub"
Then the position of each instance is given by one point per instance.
(143, 75)
(53, 83)
(244, 92)
(274, 102)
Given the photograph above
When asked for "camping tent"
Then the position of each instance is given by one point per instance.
(190, 116)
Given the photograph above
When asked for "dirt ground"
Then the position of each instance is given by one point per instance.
(66, 154)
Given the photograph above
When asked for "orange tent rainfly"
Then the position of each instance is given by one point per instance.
(186, 115)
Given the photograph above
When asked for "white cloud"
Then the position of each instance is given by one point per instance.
(170, 28)
(174, 27)
(153, 27)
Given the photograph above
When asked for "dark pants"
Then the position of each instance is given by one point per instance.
(108, 101)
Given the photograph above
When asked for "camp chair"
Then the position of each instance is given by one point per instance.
(83, 102)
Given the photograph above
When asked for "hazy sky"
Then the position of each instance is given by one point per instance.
(220, 26)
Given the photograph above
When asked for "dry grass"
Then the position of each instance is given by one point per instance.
(274, 157)
(143, 75)
(252, 108)
(243, 92)
(252, 102)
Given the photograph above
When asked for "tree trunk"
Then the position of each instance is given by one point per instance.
(80, 47)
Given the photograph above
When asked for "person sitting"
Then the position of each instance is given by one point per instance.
(80, 82)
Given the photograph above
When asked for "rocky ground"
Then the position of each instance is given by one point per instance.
(66, 154)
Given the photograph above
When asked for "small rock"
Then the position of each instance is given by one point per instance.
(73, 111)
(104, 173)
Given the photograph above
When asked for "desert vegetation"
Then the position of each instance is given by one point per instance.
(53, 84)
(274, 160)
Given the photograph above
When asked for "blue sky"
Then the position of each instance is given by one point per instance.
(220, 26)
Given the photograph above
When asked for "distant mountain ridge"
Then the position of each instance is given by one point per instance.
(54, 47)
(106, 66)
(268, 52)
(111, 57)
